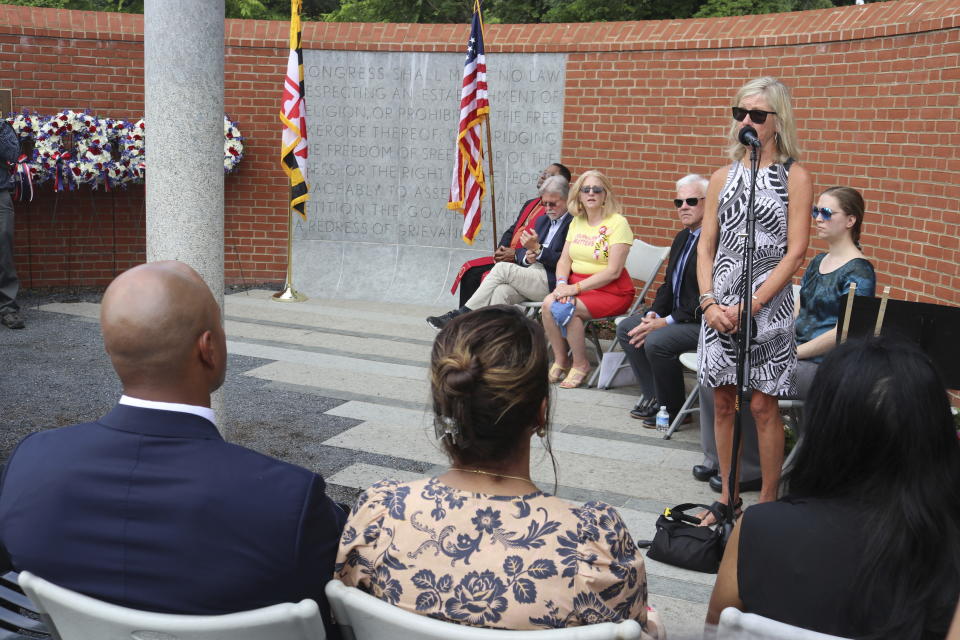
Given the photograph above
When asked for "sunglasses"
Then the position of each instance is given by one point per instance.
(589, 189)
(826, 212)
(691, 202)
(757, 116)
(549, 205)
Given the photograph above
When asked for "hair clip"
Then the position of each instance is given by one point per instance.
(447, 427)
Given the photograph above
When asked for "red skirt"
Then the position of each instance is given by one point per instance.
(612, 299)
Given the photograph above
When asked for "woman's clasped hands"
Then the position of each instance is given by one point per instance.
(566, 292)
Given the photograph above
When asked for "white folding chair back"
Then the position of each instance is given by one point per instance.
(365, 617)
(737, 625)
(643, 263)
(73, 616)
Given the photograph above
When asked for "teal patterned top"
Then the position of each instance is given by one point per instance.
(820, 295)
(508, 562)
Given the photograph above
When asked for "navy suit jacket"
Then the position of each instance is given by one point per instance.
(551, 253)
(153, 510)
(689, 288)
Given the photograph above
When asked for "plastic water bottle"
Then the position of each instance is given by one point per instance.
(663, 419)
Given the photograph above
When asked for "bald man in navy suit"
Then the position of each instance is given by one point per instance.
(148, 507)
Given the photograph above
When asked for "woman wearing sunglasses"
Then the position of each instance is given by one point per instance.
(784, 196)
(591, 280)
(838, 217)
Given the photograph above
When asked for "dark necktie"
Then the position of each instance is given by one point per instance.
(681, 265)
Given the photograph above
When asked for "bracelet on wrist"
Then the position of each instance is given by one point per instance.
(704, 310)
(579, 290)
(705, 296)
(561, 281)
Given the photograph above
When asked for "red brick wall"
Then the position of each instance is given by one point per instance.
(876, 87)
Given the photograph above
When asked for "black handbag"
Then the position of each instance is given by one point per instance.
(680, 540)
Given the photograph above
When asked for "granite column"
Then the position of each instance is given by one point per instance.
(183, 56)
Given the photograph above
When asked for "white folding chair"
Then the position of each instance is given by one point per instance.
(73, 616)
(737, 625)
(688, 360)
(643, 263)
(531, 308)
(362, 616)
(18, 616)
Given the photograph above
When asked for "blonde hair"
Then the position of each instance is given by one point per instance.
(610, 202)
(778, 97)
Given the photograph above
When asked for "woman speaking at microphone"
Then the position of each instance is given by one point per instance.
(762, 116)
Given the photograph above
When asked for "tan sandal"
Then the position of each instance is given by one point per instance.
(557, 373)
(575, 378)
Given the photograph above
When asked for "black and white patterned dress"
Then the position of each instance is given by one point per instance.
(773, 353)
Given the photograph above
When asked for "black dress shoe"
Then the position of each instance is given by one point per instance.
(439, 322)
(745, 485)
(703, 473)
(644, 410)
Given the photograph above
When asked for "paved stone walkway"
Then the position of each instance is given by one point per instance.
(367, 366)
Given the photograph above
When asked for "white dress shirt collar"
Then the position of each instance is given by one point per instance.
(203, 412)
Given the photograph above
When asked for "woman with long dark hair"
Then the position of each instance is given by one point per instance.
(866, 542)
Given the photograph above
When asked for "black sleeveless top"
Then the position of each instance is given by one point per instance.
(798, 563)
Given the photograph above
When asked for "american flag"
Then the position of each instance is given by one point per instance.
(293, 154)
(468, 188)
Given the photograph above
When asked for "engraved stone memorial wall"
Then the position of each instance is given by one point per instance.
(382, 131)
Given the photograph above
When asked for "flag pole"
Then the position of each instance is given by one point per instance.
(493, 192)
(288, 293)
(293, 155)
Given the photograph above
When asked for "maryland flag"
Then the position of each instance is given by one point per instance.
(467, 188)
(293, 156)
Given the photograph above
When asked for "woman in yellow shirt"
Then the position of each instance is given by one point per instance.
(590, 274)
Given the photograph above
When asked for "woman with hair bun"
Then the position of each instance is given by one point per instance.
(481, 544)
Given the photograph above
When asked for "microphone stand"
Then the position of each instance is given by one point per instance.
(744, 337)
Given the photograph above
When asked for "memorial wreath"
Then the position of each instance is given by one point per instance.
(75, 148)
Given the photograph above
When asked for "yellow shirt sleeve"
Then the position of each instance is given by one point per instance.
(590, 245)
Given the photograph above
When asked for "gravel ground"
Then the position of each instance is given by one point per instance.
(57, 373)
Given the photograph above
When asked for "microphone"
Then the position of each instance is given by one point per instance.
(748, 137)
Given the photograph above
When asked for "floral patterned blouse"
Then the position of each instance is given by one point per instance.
(507, 562)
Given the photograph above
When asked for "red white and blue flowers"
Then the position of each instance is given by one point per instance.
(75, 148)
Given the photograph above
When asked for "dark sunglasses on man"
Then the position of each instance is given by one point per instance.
(757, 116)
(691, 202)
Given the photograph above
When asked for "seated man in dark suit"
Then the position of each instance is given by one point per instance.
(148, 507)
(533, 274)
(653, 342)
(472, 272)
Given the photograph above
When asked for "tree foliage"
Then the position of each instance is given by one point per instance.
(420, 11)
(459, 11)
(254, 9)
(715, 8)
